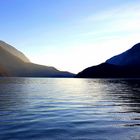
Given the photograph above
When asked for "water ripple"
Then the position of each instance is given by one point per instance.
(72, 109)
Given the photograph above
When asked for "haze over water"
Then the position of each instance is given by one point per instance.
(59, 109)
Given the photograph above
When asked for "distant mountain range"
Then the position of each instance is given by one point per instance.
(14, 63)
(124, 65)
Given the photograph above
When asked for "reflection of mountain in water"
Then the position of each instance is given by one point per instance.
(125, 92)
(12, 93)
(132, 96)
(51, 107)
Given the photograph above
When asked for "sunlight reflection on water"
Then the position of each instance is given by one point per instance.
(48, 108)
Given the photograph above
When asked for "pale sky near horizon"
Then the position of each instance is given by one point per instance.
(70, 34)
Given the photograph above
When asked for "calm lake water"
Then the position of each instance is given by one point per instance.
(69, 109)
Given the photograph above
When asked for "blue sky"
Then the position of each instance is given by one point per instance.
(70, 34)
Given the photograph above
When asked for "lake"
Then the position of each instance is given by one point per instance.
(69, 109)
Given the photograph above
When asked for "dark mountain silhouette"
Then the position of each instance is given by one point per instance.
(125, 65)
(15, 64)
(129, 57)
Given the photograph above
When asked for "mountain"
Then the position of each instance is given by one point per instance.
(130, 57)
(13, 51)
(126, 64)
(14, 63)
